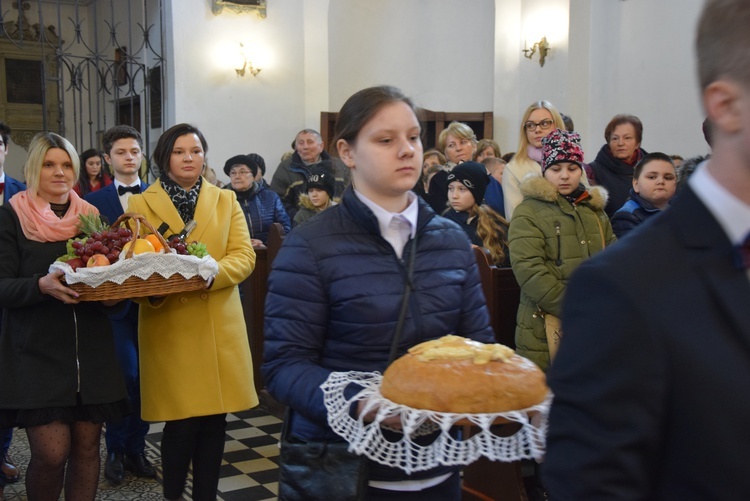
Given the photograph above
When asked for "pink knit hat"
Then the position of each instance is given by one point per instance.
(561, 146)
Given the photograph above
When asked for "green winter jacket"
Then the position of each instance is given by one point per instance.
(548, 238)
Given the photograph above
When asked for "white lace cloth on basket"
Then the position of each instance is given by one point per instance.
(368, 439)
(142, 266)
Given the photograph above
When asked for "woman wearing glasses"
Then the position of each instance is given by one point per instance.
(539, 120)
(262, 207)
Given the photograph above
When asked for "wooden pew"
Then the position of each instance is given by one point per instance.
(254, 298)
(486, 480)
(253, 304)
(503, 296)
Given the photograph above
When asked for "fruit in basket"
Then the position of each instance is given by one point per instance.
(194, 248)
(154, 241)
(140, 246)
(178, 245)
(97, 260)
(197, 249)
(76, 263)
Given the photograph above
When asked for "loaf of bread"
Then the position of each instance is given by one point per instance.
(456, 374)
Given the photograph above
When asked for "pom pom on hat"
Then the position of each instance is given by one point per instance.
(474, 176)
(561, 146)
(323, 180)
(241, 160)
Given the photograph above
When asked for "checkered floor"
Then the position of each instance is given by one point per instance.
(249, 471)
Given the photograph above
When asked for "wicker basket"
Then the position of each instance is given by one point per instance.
(133, 287)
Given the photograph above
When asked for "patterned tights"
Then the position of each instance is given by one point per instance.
(57, 447)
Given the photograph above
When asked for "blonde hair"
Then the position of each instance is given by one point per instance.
(523, 141)
(458, 129)
(40, 145)
(492, 229)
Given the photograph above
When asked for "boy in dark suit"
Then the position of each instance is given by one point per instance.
(651, 379)
(8, 185)
(125, 440)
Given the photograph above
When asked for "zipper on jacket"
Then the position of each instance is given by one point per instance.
(78, 362)
(248, 217)
(558, 261)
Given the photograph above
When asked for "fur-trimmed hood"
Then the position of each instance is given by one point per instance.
(535, 186)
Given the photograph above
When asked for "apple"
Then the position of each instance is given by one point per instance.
(76, 263)
(97, 260)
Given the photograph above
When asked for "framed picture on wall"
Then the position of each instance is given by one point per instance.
(239, 6)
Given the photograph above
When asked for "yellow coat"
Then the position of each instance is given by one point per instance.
(194, 353)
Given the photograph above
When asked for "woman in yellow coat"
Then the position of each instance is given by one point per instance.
(194, 352)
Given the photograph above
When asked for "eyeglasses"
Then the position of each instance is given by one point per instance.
(239, 172)
(544, 124)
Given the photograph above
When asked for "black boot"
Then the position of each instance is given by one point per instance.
(114, 471)
(139, 465)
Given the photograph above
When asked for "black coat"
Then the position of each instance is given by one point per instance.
(49, 351)
(615, 175)
(651, 379)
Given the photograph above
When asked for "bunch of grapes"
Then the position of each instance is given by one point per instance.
(108, 242)
(194, 248)
(197, 249)
(178, 245)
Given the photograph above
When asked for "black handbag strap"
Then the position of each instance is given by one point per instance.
(408, 286)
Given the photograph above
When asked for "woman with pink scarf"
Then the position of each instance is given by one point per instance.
(58, 372)
(539, 119)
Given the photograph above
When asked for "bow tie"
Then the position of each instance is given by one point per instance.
(742, 254)
(121, 190)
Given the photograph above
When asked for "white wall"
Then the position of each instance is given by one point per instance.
(438, 53)
(642, 62)
(238, 114)
(608, 57)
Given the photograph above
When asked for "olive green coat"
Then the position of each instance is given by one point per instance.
(548, 238)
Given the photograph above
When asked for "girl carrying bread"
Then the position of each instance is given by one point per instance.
(337, 284)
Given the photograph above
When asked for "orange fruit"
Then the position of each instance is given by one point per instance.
(141, 245)
(154, 241)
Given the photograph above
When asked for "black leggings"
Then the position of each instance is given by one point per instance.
(200, 439)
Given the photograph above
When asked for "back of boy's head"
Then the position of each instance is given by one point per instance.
(323, 180)
(259, 161)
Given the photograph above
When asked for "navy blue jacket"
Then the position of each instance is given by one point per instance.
(334, 296)
(494, 196)
(651, 379)
(635, 211)
(262, 208)
(12, 187)
(108, 201)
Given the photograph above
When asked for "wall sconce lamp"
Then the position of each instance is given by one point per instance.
(247, 64)
(542, 46)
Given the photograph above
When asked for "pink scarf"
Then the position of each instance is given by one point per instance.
(534, 153)
(40, 224)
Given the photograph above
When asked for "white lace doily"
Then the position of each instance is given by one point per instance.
(367, 438)
(142, 266)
